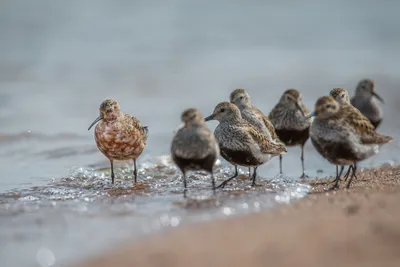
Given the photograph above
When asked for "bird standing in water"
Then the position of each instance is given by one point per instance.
(252, 115)
(288, 118)
(194, 146)
(119, 136)
(241, 143)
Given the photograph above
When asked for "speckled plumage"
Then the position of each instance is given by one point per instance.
(289, 122)
(251, 114)
(241, 98)
(119, 136)
(342, 136)
(341, 95)
(241, 143)
(367, 101)
(194, 146)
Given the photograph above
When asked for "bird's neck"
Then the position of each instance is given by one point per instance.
(110, 118)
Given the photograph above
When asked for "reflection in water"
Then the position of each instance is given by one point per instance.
(84, 212)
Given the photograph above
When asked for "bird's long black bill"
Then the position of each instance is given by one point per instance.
(378, 96)
(209, 118)
(312, 114)
(96, 120)
(299, 108)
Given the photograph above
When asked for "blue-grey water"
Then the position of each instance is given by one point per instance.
(59, 60)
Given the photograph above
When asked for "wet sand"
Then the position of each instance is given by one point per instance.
(355, 227)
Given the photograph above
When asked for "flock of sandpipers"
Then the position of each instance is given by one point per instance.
(342, 131)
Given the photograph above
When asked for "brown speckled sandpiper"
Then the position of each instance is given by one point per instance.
(342, 136)
(241, 98)
(119, 136)
(241, 143)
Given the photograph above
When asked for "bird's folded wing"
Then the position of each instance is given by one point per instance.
(363, 127)
(265, 145)
(268, 124)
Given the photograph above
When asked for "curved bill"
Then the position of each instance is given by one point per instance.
(301, 110)
(209, 118)
(377, 96)
(96, 120)
(312, 114)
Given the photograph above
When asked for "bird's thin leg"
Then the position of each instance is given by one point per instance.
(337, 171)
(112, 171)
(134, 170)
(213, 182)
(337, 179)
(353, 175)
(224, 183)
(302, 162)
(249, 172)
(254, 176)
(348, 172)
(280, 164)
(337, 175)
(184, 185)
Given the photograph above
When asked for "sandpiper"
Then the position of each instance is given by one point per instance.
(119, 136)
(366, 100)
(241, 143)
(241, 98)
(341, 95)
(194, 146)
(342, 136)
(288, 118)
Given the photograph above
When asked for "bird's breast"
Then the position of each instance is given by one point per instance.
(119, 145)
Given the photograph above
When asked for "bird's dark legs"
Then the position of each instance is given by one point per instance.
(213, 182)
(337, 171)
(249, 171)
(280, 164)
(337, 179)
(184, 185)
(135, 171)
(302, 162)
(353, 175)
(351, 167)
(224, 183)
(112, 171)
(254, 176)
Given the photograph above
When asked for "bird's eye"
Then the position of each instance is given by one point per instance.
(222, 110)
(343, 95)
(241, 97)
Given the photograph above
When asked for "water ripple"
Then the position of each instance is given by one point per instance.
(86, 203)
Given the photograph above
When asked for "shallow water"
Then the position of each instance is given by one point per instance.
(58, 61)
(82, 214)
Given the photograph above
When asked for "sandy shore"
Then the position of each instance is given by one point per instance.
(356, 227)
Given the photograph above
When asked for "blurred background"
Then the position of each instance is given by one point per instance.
(60, 59)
